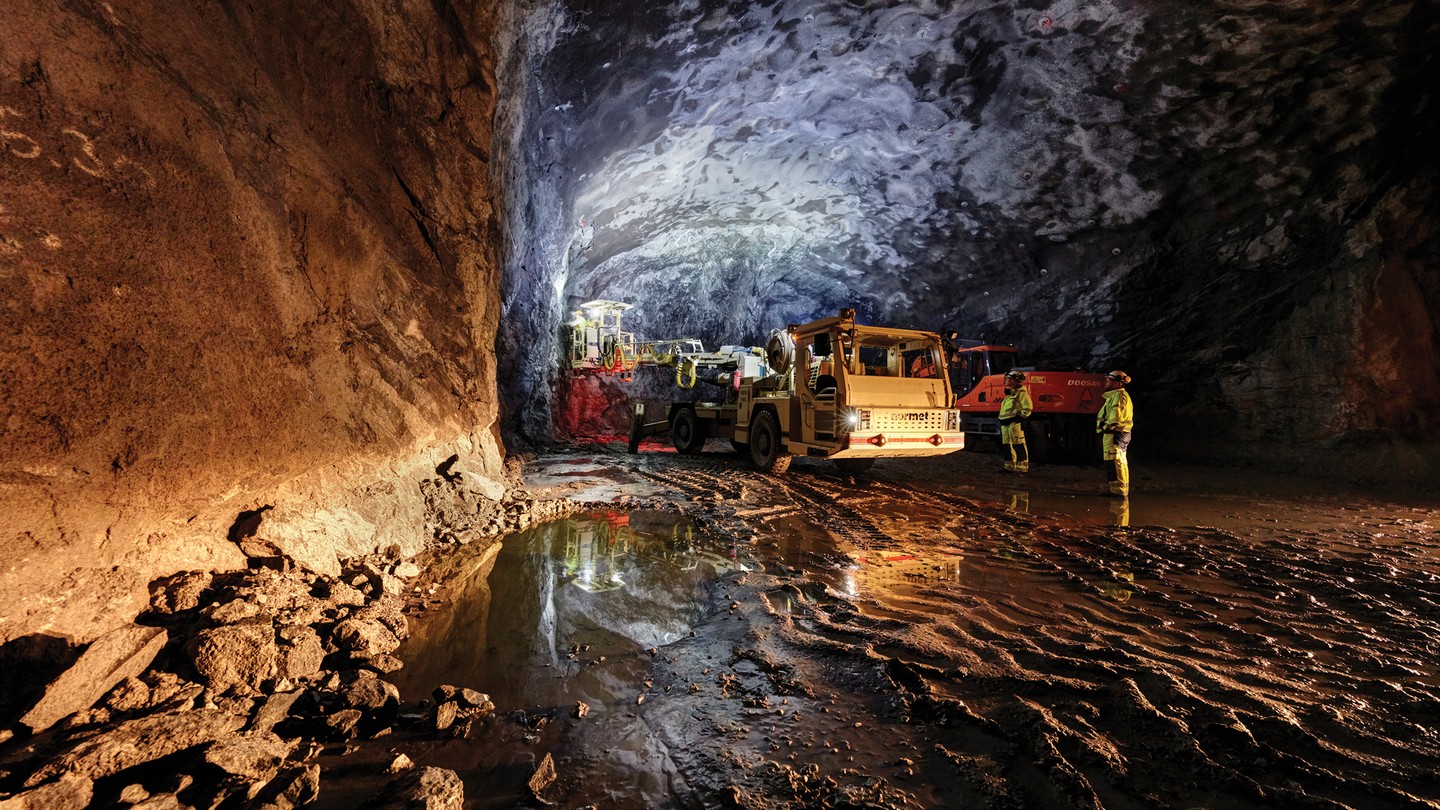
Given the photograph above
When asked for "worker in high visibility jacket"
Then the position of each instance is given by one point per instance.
(1113, 423)
(1015, 408)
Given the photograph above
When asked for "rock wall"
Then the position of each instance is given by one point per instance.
(248, 264)
(1233, 201)
(537, 221)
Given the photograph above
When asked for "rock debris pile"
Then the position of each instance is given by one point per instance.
(235, 685)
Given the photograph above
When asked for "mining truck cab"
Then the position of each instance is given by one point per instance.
(852, 393)
(973, 361)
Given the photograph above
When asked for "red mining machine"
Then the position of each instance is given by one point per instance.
(1065, 401)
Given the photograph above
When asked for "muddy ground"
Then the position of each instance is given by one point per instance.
(935, 634)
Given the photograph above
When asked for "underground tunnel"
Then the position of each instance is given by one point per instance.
(322, 487)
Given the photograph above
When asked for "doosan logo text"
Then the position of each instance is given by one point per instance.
(1085, 382)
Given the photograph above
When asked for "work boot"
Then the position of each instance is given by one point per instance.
(1009, 466)
(1022, 467)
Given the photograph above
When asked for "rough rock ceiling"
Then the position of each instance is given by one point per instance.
(1107, 183)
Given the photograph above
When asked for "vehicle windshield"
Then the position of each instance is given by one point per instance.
(974, 365)
(1001, 362)
(890, 356)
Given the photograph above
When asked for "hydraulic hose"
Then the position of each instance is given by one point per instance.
(687, 371)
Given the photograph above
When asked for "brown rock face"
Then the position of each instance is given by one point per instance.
(246, 260)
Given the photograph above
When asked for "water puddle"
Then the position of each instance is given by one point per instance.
(1167, 496)
(567, 611)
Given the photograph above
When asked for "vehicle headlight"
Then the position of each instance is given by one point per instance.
(856, 419)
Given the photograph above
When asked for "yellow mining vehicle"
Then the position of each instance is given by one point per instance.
(830, 388)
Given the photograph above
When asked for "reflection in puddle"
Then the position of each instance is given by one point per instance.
(562, 613)
(566, 611)
(1018, 500)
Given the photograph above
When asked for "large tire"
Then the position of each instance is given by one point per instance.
(767, 447)
(854, 466)
(687, 431)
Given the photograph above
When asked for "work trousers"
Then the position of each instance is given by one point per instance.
(1117, 466)
(1013, 436)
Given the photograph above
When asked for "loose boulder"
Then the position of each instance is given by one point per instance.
(294, 787)
(371, 695)
(120, 654)
(273, 711)
(421, 789)
(342, 723)
(544, 775)
(69, 792)
(301, 654)
(251, 757)
(136, 742)
(239, 657)
(365, 638)
(181, 592)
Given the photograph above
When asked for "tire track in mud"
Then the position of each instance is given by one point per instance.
(1064, 665)
(821, 504)
(1202, 684)
(1198, 671)
(1243, 624)
(824, 507)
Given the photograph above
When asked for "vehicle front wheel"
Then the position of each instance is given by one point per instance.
(687, 431)
(854, 466)
(767, 447)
